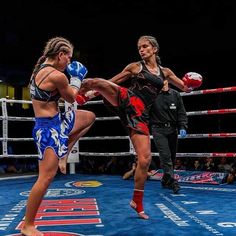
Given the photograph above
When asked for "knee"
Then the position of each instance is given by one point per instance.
(49, 179)
(46, 180)
(90, 117)
(84, 115)
(144, 161)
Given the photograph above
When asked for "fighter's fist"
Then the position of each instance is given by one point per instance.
(81, 99)
(77, 71)
(192, 80)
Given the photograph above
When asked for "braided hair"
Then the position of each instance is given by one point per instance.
(52, 48)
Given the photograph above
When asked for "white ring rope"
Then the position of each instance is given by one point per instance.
(120, 154)
(20, 156)
(190, 113)
(5, 118)
(192, 136)
(197, 92)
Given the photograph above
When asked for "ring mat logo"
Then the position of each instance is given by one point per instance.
(87, 184)
(58, 192)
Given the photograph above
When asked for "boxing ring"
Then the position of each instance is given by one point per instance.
(90, 205)
(74, 155)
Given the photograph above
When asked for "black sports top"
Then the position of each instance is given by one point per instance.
(147, 85)
(40, 94)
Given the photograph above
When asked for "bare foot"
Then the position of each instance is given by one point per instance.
(62, 165)
(30, 231)
(141, 214)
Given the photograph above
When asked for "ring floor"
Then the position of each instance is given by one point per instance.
(96, 205)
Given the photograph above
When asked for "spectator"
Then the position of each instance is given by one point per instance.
(179, 165)
(224, 166)
(232, 175)
(197, 166)
(209, 164)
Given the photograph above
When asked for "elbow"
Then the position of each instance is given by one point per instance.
(70, 98)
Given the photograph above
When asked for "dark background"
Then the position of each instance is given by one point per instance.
(194, 35)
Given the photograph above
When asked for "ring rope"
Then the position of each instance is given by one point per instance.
(17, 118)
(196, 92)
(190, 113)
(211, 135)
(98, 154)
(211, 112)
(210, 91)
(213, 154)
(5, 118)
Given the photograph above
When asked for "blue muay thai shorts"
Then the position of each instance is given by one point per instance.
(53, 132)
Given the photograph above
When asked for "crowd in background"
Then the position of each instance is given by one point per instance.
(120, 165)
(115, 165)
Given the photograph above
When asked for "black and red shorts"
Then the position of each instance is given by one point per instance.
(132, 111)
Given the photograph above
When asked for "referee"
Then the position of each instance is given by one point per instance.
(167, 118)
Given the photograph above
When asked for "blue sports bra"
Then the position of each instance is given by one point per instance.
(40, 94)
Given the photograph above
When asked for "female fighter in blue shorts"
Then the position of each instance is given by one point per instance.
(54, 132)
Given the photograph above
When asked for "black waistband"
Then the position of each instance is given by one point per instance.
(164, 125)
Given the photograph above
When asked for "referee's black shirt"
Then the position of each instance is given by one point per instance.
(168, 110)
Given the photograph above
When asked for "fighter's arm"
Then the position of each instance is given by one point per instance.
(67, 92)
(126, 73)
(175, 80)
(85, 94)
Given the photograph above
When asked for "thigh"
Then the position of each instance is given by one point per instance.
(49, 165)
(83, 119)
(109, 91)
(142, 144)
